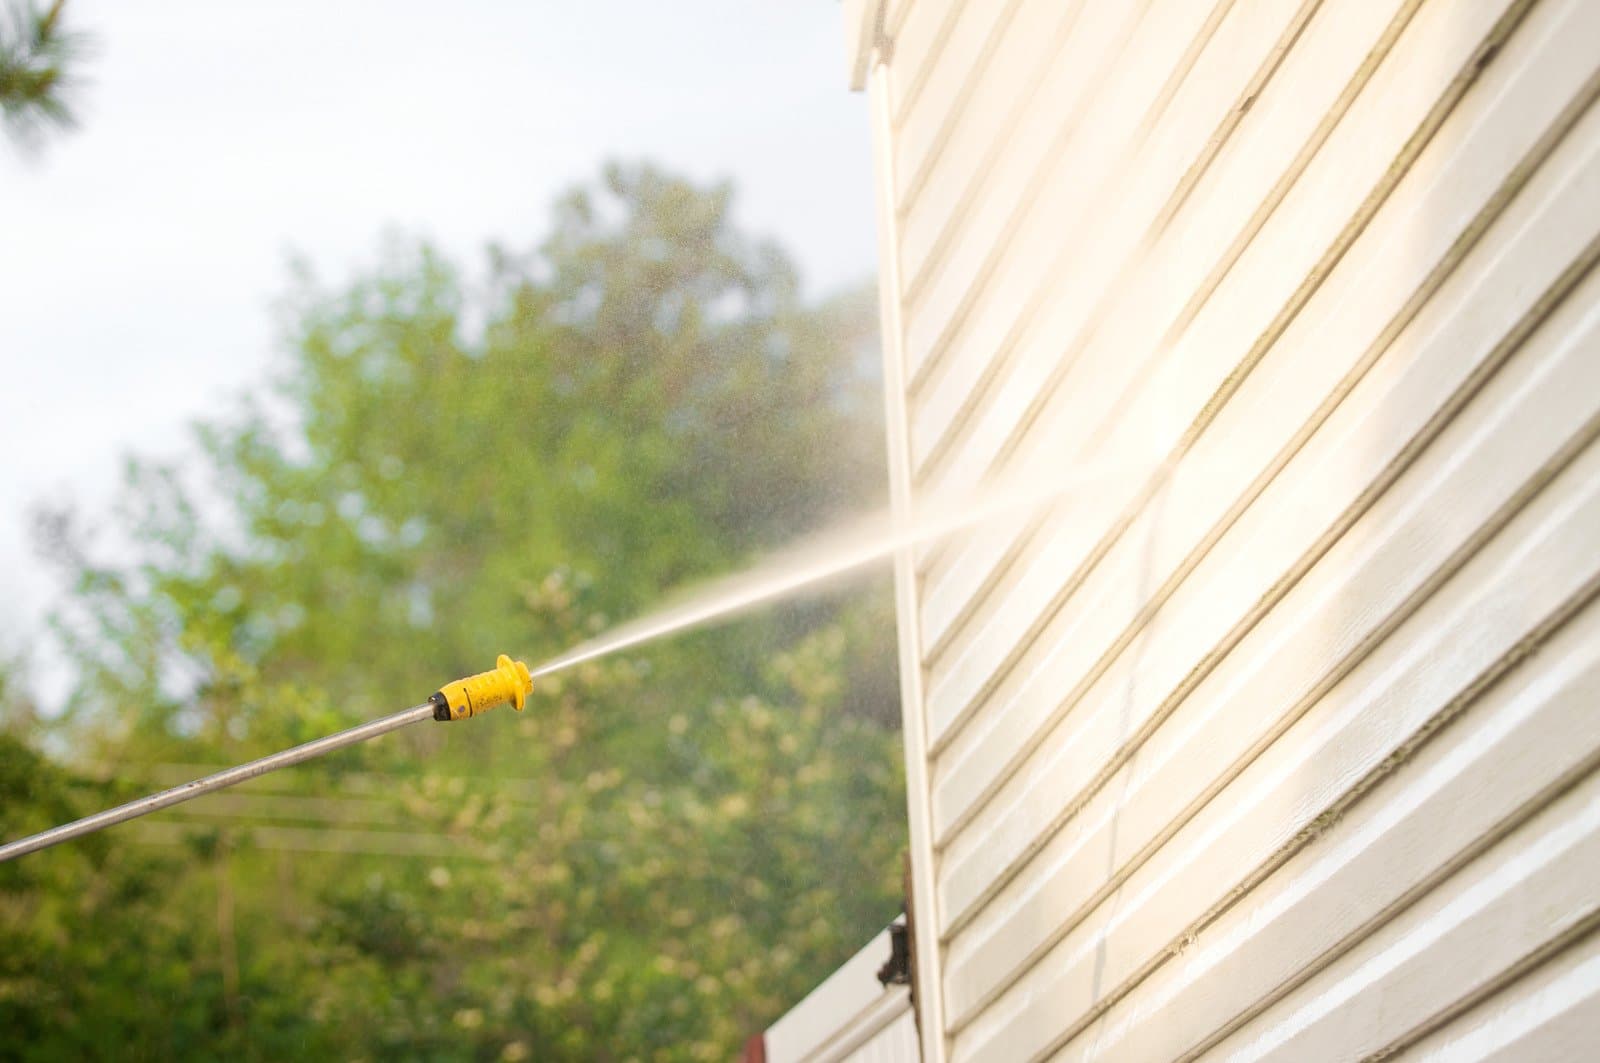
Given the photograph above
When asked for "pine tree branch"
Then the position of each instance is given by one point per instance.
(38, 61)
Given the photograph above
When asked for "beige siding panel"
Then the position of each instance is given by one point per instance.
(1277, 736)
(1204, 868)
(917, 45)
(1210, 100)
(924, 129)
(981, 126)
(1479, 770)
(848, 1017)
(1279, 270)
(1369, 582)
(1116, 203)
(1237, 180)
(1548, 1017)
(895, 1043)
(1141, 139)
(895, 14)
(1071, 91)
(1548, 228)
(1392, 411)
(1120, 337)
(1533, 891)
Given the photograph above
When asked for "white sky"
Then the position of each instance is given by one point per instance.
(139, 255)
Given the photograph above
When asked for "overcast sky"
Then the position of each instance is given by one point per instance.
(139, 255)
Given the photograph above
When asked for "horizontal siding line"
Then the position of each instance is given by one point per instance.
(937, 558)
(1280, 370)
(1261, 949)
(1138, 266)
(1406, 456)
(1352, 229)
(896, 15)
(1494, 673)
(952, 216)
(895, 1043)
(925, 353)
(920, 60)
(1003, 12)
(1549, 1013)
(864, 1027)
(1461, 935)
(1544, 306)
(1573, 937)
(1123, 287)
(834, 1007)
(1463, 554)
(1553, 791)
(1170, 704)
(1573, 274)
(1566, 352)
(997, 133)
(999, 361)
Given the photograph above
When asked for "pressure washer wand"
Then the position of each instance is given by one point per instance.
(508, 683)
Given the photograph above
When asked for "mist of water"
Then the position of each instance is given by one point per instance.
(822, 561)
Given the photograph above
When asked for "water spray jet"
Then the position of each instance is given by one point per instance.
(511, 682)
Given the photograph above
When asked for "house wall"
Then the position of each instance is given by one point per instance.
(849, 1018)
(1276, 736)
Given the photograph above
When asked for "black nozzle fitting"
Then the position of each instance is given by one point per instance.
(441, 707)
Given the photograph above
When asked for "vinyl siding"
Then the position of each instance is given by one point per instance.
(849, 1018)
(1280, 739)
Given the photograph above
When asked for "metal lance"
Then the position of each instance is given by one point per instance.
(507, 683)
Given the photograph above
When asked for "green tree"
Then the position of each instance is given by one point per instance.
(38, 59)
(670, 846)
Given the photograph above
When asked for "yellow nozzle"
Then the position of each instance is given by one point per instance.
(477, 694)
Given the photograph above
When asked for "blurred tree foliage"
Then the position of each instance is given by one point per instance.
(38, 69)
(664, 852)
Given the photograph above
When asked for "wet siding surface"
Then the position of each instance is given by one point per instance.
(1280, 742)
